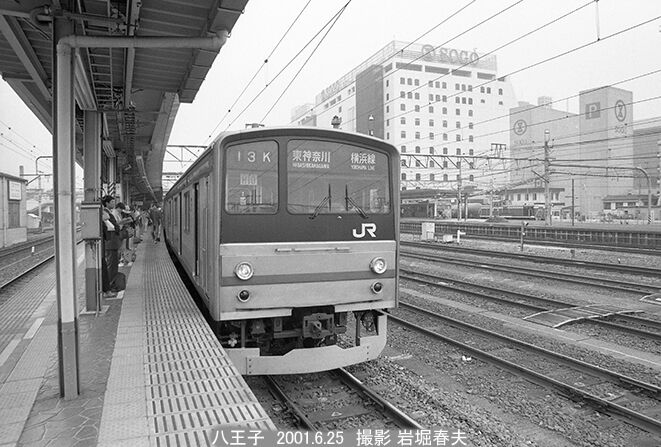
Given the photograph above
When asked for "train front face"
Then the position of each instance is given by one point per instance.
(308, 249)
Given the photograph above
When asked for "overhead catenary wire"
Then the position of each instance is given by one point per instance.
(266, 60)
(331, 20)
(305, 62)
(564, 53)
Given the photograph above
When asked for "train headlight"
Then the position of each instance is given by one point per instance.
(243, 270)
(378, 266)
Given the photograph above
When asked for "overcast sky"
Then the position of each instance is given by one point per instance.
(368, 25)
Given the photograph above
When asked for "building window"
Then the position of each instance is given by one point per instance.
(431, 177)
(402, 94)
(403, 149)
(416, 108)
(431, 150)
(457, 111)
(471, 178)
(445, 164)
(527, 197)
(470, 125)
(402, 81)
(488, 89)
(417, 176)
(417, 95)
(387, 109)
(445, 177)
(431, 109)
(403, 134)
(387, 122)
(470, 138)
(409, 81)
(500, 91)
(387, 135)
(14, 214)
(409, 95)
(445, 110)
(402, 120)
(445, 137)
(481, 89)
(470, 151)
(500, 103)
(418, 164)
(445, 85)
(387, 96)
(402, 106)
(416, 82)
(470, 101)
(456, 87)
(431, 135)
(417, 149)
(417, 135)
(445, 151)
(431, 123)
(463, 100)
(534, 196)
(445, 98)
(470, 113)
(430, 83)
(431, 97)
(458, 124)
(463, 87)
(457, 100)
(470, 88)
(403, 176)
(518, 197)
(458, 151)
(387, 82)
(438, 84)
(458, 177)
(417, 121)
(458, 138)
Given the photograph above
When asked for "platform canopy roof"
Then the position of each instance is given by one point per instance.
(138, 89)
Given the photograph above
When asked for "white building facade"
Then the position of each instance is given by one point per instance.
(445, 109)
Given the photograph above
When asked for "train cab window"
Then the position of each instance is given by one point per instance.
(326, 177)
(251, 178)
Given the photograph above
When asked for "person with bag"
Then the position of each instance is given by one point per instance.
(111, 244)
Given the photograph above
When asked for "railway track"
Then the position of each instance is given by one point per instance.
(351, 400)
(611, 284)
(639, 326)
(601, 266)
(607, 391)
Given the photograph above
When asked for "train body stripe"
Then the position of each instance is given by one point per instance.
(303, 278)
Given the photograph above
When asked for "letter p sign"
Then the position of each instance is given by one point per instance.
(369, 228)
(592, 110)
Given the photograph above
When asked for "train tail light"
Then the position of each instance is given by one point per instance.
(378, 266)
(243, 271)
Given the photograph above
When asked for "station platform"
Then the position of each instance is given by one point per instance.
(152, 372)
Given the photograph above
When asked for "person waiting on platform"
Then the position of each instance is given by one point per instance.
(126, 232)
(155, 216)
(111, 243)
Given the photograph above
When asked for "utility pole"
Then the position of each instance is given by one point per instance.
(459, 196)
(573, 197)
(491, 199)
(547, 176)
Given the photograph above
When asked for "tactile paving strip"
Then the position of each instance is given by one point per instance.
(188, 383)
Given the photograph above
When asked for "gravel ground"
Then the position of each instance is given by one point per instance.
(501, 405)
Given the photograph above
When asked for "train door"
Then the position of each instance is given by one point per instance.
(201, 206)
(196, 234)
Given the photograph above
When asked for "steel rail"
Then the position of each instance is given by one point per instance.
(298, 413)
(403, 420)
(623, 268)
(610, 284)
(556, 303)
(634, 417)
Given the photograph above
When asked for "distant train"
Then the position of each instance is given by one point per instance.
(291, 236)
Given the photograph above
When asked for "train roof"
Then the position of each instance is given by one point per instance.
(305, 131)
(299, 131)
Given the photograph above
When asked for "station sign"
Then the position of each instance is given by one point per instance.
(14, 190)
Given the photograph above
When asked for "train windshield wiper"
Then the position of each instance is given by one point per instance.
(323, 202)
(350, 201)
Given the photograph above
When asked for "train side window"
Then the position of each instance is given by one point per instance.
(251, 178)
